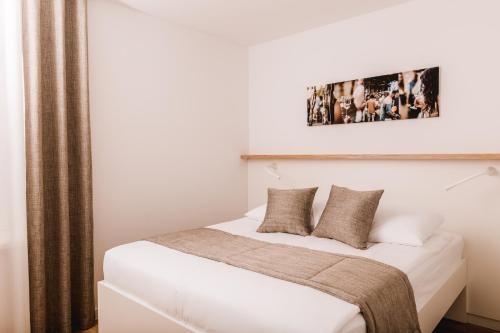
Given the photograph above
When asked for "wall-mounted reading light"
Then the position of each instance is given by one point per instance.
(490, 171)
(272, 169)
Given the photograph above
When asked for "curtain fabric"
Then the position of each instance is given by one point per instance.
(58, 165)
(14, 299)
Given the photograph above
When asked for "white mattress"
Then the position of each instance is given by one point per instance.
(210, 296)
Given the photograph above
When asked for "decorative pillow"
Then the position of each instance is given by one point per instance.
(289, 211)
(404, 228)
(348, 216)
(259, 212)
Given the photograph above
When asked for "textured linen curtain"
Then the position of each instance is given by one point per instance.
(14, 299)
(58, 165)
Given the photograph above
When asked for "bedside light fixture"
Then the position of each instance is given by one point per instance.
(490, 171)
(272, 169)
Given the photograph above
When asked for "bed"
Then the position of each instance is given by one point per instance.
(151, 288)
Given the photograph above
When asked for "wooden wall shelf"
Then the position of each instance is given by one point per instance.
(377, 157)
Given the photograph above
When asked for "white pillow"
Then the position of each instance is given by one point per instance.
(404, 228)
(258, 213)
(318, 208)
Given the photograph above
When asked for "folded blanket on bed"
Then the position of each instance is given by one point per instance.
(382, 292)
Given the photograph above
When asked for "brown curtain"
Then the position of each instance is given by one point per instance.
(58, 161)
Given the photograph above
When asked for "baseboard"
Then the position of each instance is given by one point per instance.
(458, 312)
(483, 322)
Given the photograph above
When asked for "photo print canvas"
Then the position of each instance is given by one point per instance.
(405, 95)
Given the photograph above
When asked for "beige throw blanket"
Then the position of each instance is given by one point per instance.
(382, 292)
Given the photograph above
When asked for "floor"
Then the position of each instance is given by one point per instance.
(449, 326)
(90, 330)
(445, 326)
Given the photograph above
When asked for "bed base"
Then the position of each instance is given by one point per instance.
(121, 313)
(439, 304)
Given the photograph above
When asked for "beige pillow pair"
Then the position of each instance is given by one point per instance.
(347, 217)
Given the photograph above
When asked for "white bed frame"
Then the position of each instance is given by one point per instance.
(121, 313)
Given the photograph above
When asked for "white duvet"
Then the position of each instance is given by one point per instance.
(210, 296)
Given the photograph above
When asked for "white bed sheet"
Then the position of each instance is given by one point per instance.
(211, 296)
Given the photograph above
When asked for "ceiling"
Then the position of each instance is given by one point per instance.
(254, 21)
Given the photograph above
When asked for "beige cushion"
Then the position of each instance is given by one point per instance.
(289, 211)
(348, 216)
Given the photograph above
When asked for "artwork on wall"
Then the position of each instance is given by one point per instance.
(405, 95)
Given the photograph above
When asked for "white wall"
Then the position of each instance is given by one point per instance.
(169, 120)
(460, 37)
